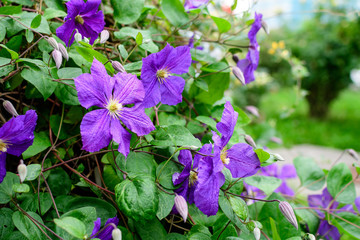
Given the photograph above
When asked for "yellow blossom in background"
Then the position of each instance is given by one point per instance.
(271, 51)
(281, 44)
(274, 45)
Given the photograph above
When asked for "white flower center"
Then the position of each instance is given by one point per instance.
(192, 178)
(3, 146)
(162, 74)
(114, 108)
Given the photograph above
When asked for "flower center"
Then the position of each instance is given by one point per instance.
(223, 157)
(192, 178)
(114, 108)
(3, 146)
(162, 74)
(79, 19)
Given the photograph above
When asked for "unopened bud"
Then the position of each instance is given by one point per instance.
(353, 154)
(116, 234)
(278, 157)
(63, 51)
(117, 66)
(104, 36)
(250, 141)
(239, 74)
(257, 233)
(253, 110)
(10, 108)
(146, 41)
(86, 40)
(56, 54)
(22, 170)
(288, 213)
(310, 236)
(235, 58)
(181, 206)
(53, 42)
(276, 140)
(265, 27)
(78, 37)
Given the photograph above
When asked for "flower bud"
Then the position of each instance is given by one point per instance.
(250, 141)
(146, 41)
(63, 51)
(353, 154)
(10, 108)
(22, 170)
(78, 37)
(257, 233)
(276, 140)
(181, 206)
(104, 36)
(116, 234)
(265, 27)
(239, 74)
(86, 40)
(235, 58)
(288, 213)
(53, 42)
(310, 236)
(117, 66)
(253, 110)
(278, 157)
(56, 54)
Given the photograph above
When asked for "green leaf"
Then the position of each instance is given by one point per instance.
(310, 174)
(265, 183)
(222, 24)
(345, 226)
(262, 155)
(55, 4)
(26, 226)
(6, 69)
(127, 11)
(175, 135)
(137, 164)
(198, 232)
(104, 210)
(275, 234)
(26, 18)
(50, 13)
(222, 230)
(165, 178)
(139, 38)
(67, 94)
(6, 190)
(89, 54)
(207, 120)
(240, 208)
(72, 225)
(21, 188)
(166, 203)
(138, 198)
(35, 23)
(151, 230)
(309, 218)
(59, 182)
(41, 79)
(200, 218)
(14, 55)
(133, 66)
(226, 207)
(10, 10)
(45, 202)
(339, 177)
(174, 12)
(41, 142)
(133, 32)
(6, 224)
(29, 35)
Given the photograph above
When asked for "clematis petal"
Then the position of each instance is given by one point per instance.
(243, 160)
(171, 90)
(186, 159)
(357, 203)
(136, 120)
(285, 189)
(67, 31)
(95, 130)
(227, 124)
(327, 230)
(178, 60)
(93, 24)
(106, 233)
(97, 225)
(91, 6)
(271, 170)
(288, 171)
(152, 93)
(94, 89)
(128, 89)
(73, 8)
(205, 150)
(121, 136)
(2, 166)
(190, 4)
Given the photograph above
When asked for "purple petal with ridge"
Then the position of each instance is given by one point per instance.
(227, 124)
(2, 166)
(121, 136)
(136, 120)
(243, 160)
(128, 89)
(171, 90)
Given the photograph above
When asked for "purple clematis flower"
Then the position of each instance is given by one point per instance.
(190, 4)
(104, 234)
(16, 136)
(111, 94)
(158, 77)
(251, 62)
(322, 201)
(240, 159)
(83, 16)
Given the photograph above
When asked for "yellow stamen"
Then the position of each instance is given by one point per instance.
(3, 146)
(162, 74)
(114, 108)
(223, 157)
(79, 19)
(192, 178)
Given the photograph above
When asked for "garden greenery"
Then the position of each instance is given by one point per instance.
(117, 119)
